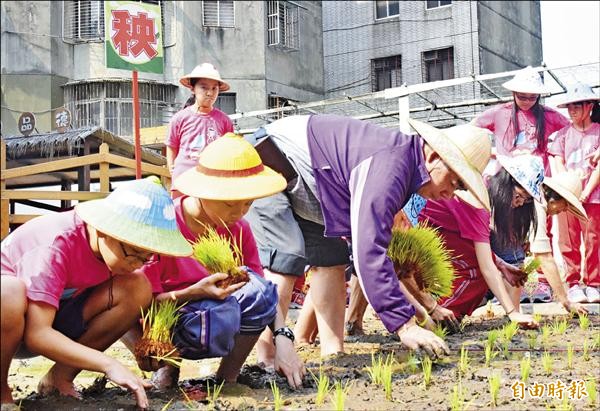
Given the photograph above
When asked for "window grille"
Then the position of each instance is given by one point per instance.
(83, 21)
(432, 4)
(438, 64)
(109, 105)
(386, 73)
(385, 9)
(218, 14)
(283, 19)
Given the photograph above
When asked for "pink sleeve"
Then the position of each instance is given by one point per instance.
(557, 148)
(225, 122)
(250, 250)
(153, 270)
(173, 134)
(487, 119)
(44, 272)
(556, 121)
(473, 223)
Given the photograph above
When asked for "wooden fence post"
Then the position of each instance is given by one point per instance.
(104, 166)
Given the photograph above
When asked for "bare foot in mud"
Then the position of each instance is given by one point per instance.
(165, 378)
(50, 384)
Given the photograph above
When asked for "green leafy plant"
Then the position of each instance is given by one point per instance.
(525, 368)
(489, 353)
(386, 377)
(339, 395)
(547, 362)
(412, 363)
(457, 398)
(420, 251)
(494, 383)
(213, 394)
(584, 321)
(596, 341)
(565, 404)
(323, 386)
(157, 325)
(537, 317)
(375, 370)
(545, 335)
(277, 398)
(492, 336)
(510, 330)
(505, 352)
(592, 391)
(440, 331)
(532, 340)
(559, 327)
(426, 365)
(586, 350)
(570, 352)
(463, 364)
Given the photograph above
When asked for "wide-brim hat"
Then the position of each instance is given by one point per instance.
(527, 80)
(140, 213)
(527, 170)
(230, 169)
(463, 164)
(568, 185)
(204, 70)
(576, 93)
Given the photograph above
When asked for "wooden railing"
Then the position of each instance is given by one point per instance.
(103, 159)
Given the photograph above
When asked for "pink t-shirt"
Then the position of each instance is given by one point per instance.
(167, 273)
(576, 148)
(51, 253)
(455, 215)
(190, 131)
(498, 120)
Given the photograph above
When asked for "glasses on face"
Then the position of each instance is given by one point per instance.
(520, 194)
(138, 253)
(523, 97)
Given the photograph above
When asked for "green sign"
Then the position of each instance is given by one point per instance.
(133, 36)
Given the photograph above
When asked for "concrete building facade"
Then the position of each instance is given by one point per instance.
(53, 55)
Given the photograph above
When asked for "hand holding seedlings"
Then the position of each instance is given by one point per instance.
(208, 288)
(524, 320)
(417, 338)
(446, 317)
(512, 274)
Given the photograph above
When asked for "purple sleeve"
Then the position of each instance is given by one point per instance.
(376, 195)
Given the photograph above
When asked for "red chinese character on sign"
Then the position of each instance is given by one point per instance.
(133, 34)
(556, 389)
(577, 390)
(518, 389)
(536, 390)
(121, 23)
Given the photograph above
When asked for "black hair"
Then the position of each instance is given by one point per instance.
(596, 113)
(551, 195)
(540, 124)
(511, 225)
(191, 99)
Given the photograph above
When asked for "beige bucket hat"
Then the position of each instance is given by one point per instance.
(527, 80)
(568, 185)
(578, 92)
(204, 70)
(465, 149)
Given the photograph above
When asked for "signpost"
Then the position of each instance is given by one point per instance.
(26, 123)
(62, 119)
(134, 42)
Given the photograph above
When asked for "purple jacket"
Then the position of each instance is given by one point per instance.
(365, 174)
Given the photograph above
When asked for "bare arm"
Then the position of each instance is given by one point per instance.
(591, 184)
(171, 156)
(559, 164)
(287, 361)
(205, 288)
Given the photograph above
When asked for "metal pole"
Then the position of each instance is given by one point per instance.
(136, 125)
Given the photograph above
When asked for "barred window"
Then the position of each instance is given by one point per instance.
(283, 19)
(438, 64)
(108, 104)
(432, 4)
(83, 21)
(226, 103)
(218, 13)
(384, 9)
(275, 101)
(386, 73)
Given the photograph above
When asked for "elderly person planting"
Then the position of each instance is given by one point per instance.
(221, 317)
(69, 289)
(352, 178)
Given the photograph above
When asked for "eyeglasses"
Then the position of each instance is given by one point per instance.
(138, 253)
(523, 97)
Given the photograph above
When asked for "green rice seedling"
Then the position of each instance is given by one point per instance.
(586, 350)
(592, 391)
(213, 394)
(537, 317)
(463, 364)
(565, 404)
(525, 368)
(489, 353)
(426, 364)
(529, 267)
(440, 331)
(188, 403)
(457, 398)
(596, 341)
(584, 321)
(277, 398)
(323, 388)
(505, 353)
(166, 406)
(494, 383)
(375, 369)
(545, 335)
(531, 264)
(492, 336)
(510, 330)
(570, 352)
(386, 377)
(339, 395)
(559, 327)
(412, 363)
(421, 250)
(547, 362)
(532, 340)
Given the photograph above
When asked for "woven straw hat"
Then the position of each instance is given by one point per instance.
(527, 80)
(467, 164)
(527, 170)
(578, 92)
(139, 213)
(568, 185)
(204, 70)
(230, 169)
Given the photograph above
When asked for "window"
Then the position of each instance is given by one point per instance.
(282, 24)
(438, 64)
(109, 104)
(432, 4)
(218, 14)
(385, 9)
(386, 73)
(83, 21)
(226, 103)
(275, 101)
